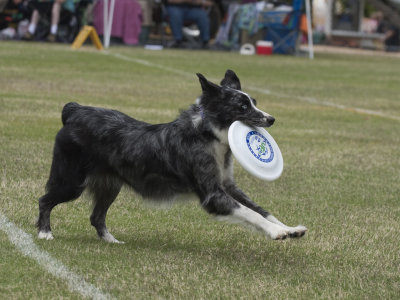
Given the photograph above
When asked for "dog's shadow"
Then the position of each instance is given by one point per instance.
(242, 250)
(235, 246)
(235, 252)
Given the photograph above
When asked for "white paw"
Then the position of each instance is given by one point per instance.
(45, 235)
(277, 232)
(297, 231)
(109, 238)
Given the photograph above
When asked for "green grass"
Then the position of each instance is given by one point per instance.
(341, 178)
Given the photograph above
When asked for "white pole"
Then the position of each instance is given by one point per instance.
(309, 30)
(110, 21)
(105, 22)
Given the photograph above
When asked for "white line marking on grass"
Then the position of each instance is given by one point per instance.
(25, 244)
(148, 64)
(257, 89)
(326, 103)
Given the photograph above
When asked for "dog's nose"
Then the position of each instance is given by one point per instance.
(270, 120)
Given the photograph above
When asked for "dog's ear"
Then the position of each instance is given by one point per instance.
(208, 86)
(231, 80)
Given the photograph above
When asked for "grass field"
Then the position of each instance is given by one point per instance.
(341, 178)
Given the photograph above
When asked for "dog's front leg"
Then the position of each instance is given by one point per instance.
(221, 204)
(242, 198)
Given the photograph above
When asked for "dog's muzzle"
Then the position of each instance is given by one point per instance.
(260, 121)
(269, 121)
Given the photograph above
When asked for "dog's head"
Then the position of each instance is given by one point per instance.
(227, 103)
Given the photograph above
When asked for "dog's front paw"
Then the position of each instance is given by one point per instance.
(297, 231)
(278, 233)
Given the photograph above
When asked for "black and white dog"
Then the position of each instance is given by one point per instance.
(103, 149)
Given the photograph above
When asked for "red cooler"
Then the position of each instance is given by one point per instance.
(264, 47)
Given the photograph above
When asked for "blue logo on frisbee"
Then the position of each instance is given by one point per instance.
(259, 146)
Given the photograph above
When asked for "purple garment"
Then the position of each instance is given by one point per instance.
(127, 21)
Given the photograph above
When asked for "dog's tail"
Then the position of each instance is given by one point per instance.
(68, 110)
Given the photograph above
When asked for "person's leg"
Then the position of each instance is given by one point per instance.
(34, 21)
(55, 19)
(175, 17)
(29, 35)
(200, 17)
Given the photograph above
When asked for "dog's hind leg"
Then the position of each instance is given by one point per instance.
(104, 189)
(55, 196)
(66, 183)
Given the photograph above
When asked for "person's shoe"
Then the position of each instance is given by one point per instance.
(27, 36)
(51, 38)
(176, 45)
(205, 45)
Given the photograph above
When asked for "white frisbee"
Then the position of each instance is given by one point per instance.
(256, 150)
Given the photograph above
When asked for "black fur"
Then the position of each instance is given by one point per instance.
(102, 149)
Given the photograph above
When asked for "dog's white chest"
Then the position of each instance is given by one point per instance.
(222, 135)
(219, 150)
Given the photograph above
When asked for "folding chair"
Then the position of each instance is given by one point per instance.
(283, 28)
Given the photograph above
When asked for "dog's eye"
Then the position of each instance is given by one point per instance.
(244, 107)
